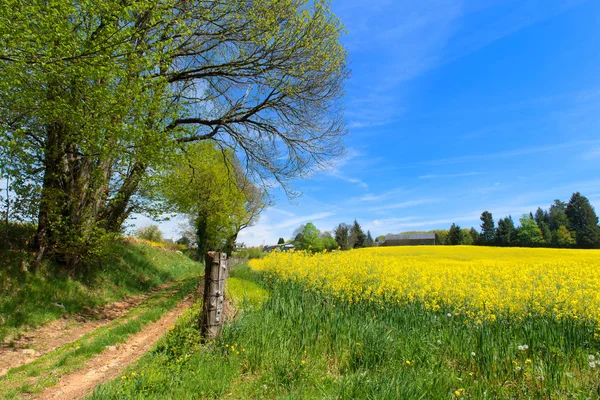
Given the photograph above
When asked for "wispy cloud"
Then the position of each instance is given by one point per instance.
(522, 151)
(292, 222)
(338, 165)
(395, 225)
(408, 204)
(372, 197)
(405, 40)
(593, 154)
(445, 176)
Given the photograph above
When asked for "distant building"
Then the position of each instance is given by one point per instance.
(280, 247)
(409, 239)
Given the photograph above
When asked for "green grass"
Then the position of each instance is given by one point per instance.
(26, 299)
(45, 371)
(304, 345)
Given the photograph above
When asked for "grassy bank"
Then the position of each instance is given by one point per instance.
(303, 345)
(31, 299)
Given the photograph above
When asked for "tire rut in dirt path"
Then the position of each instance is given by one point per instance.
(34, 344)
(110, 363)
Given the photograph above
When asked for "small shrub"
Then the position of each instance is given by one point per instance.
(150, 233)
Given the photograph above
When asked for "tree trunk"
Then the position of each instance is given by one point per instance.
(52, 198)
(230, 245)
(118, 209)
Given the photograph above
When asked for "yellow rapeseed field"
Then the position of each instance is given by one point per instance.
(482, 283)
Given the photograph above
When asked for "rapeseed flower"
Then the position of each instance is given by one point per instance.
(477, 283)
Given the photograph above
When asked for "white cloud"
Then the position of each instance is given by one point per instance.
(522, 151)
(408, 204)
(445, 176)
(338, 165)
(293, 222)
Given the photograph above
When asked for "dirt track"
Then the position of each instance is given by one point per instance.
(35, 343)
(110, 364)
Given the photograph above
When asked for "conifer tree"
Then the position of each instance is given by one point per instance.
(357, 236)
(369, 240)
(488, 229)
(341, 234)
(583, 221)
(505, 234)
(454, 235)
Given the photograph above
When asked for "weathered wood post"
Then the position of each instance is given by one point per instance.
(215, 273)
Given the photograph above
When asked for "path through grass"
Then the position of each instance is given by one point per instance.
(45, 371)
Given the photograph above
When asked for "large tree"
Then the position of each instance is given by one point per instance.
(583, 221)
(505, 233)
(557, 216)
(541, 217)
(455, 235)
(529, 234)
(311, 238)
(95, 97)
(356, 237)
(488, 228)
(341, 235)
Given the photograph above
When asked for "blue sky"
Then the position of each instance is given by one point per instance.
(454, 108)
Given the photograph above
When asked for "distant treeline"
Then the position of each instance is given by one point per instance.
(343, 237)
(572, 224)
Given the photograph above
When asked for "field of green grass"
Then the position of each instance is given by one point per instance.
(290, 342)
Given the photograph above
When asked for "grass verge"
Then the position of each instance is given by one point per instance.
(29, 299)
(45, 371)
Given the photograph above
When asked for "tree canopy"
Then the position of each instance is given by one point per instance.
(213, 189)
(96, 97)
(488, 228)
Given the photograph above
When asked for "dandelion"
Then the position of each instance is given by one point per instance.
(303, 362)
(591, 357)
(517, 368)
(592, 364)
(457, 393)
(449, 315)
(124, 377)
(439, 342)
(472, 354)
(528, 361)
(407, 362)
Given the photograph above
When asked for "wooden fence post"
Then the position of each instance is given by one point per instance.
(215, 273)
